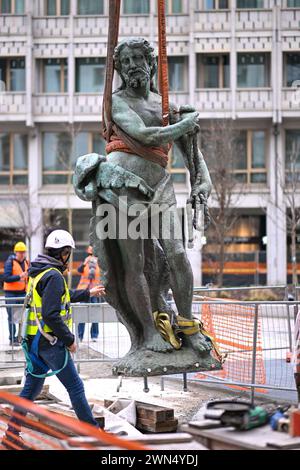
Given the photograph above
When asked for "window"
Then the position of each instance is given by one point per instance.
(90, 75)
(250, 4)
(136, 7)
(57, 7)
(293, 3)
(90, 7)
(12, 73)
(13, 159)
(176, 166)
(250, 162)
(254, 70)
(174, 7)
(12, 7)
(54, 74)
(292, 156)
(216, 4)
(178, 73)
(292, 68)
(213, 71)
(60, 156)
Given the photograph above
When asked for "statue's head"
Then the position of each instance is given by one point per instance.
(136, 63)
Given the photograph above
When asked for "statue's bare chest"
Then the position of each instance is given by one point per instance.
(149, 111)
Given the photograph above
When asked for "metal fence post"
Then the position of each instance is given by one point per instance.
(255, 330)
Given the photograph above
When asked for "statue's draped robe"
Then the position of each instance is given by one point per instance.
(102, 182)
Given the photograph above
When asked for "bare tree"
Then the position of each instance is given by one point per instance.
(292, 176)
(28, 226)
(66, 154)
(220, 147)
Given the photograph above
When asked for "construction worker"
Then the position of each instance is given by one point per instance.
(15, 282)
(90, 277)
(49, 340)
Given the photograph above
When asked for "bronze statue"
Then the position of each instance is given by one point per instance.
(138, 273)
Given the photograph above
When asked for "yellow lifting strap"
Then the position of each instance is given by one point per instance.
(185, 326)
(163, 325)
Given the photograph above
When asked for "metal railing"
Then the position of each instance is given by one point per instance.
(257, 338)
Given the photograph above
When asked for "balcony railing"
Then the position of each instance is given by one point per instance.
(12, 106)
(213, 100)
(211, 21)
(46, 106)
(179, 98)
(290, 19)
(291, 100)
(88, 105)
(254, 99)
(47, 26)
(13, 25)
(178, 24)
(90, 26)
(135, 26)
(254, 20)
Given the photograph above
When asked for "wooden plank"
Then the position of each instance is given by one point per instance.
(163, 438)
(66, 411)
(11, 379)
(155, 413)
(206, 424)
(261, 438)
(17, 389)
(150, 426)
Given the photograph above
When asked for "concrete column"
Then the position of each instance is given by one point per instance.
(35, 211)
(153, 24)
(195, 258)
(29, 68)
(276, 65)
(192, 55)
(233, 60)
(71, 62)
(276, 246)
(276, 212)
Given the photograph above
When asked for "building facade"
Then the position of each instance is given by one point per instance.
(231, 59)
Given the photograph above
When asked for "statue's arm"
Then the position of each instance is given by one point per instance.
(130, 122)
(203, 183)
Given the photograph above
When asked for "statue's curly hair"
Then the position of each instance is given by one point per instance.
(148, 51)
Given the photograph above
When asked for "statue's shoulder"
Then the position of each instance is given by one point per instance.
(119, 102)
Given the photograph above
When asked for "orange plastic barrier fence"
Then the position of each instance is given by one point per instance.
(233, 328)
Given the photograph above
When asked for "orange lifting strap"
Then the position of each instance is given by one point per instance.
(113, 37)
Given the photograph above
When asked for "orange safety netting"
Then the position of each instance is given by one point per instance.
(43, 430)
(232, 326)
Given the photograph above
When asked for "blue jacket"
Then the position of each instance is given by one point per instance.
(51, 288)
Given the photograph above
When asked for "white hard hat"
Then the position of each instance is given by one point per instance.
(59, 239)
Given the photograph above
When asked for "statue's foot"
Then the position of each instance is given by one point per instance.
(158, 344)
(197, 342)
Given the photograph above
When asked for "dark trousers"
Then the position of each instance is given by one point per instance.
(54, 357)
(94, 326)
(8, 301)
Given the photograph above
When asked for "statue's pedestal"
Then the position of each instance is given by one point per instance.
(143, 363)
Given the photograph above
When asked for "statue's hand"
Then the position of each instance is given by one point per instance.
(199, 196)
(187, 108)
(202, 190)
(193, 119)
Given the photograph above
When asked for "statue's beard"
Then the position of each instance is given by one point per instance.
(137, 78)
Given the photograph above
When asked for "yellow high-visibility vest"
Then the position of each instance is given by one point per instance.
(65, 312)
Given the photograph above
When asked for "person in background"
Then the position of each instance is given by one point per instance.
(15, 282)
(90, 277)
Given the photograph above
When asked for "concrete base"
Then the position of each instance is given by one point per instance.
(144, 363)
